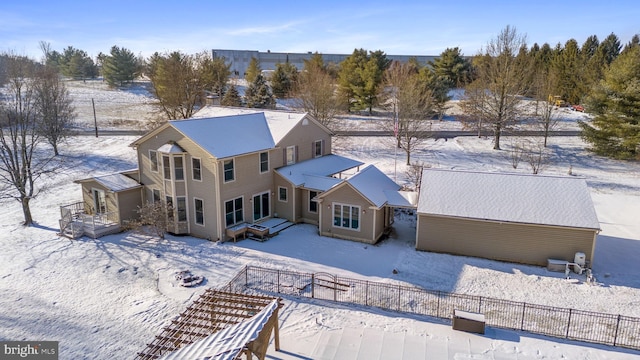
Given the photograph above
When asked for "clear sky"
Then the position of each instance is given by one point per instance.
(328, 26)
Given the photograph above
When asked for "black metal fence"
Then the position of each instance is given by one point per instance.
(599, 328)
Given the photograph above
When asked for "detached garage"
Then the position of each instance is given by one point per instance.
(509, 217)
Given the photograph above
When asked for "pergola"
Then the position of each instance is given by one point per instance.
(219, 325)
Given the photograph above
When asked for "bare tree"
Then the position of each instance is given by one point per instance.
(53, 105)
(315, 93)
(546, 112)
(516, 151)
(536, 154)
(411, 103)
(153, 219)
(414, 173)
(503, 80)
(21, 164)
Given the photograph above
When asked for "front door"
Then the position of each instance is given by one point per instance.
(261, 206)
(99, 201)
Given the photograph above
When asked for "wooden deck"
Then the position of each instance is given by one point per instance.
(75, 223)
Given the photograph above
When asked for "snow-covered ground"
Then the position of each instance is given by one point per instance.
(107, 298)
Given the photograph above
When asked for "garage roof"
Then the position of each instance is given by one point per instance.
(508, 197)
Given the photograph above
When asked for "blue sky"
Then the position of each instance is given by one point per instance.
(328, 26)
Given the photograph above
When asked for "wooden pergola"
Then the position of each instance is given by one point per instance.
(244, 322)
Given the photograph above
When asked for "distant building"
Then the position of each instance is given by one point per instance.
(239, 59)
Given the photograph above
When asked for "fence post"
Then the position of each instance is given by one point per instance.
(335, 288)
(246, 276)
(399, 289)
(524, 307)
(480, 304)
(566, 336)
(438, 304)
(615, 337)
(278, 281)
(313, 285)
(366, 294)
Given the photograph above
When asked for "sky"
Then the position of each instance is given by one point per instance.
(395, 27)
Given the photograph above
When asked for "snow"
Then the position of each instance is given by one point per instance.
(509, 197)
(116, 182)
(228, 136)
(107, 298)
(302, 172)
(372, 183)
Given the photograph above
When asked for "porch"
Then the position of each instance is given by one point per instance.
(75, 222)
(259, 231)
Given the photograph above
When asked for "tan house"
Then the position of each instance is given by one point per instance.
(509, 217)
(231, 170)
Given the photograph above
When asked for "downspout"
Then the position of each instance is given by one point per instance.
(218, 214)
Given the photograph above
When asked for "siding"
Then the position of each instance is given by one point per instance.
(520, 243)
(348, 196)
(304, 137)
(128, 203)
(284, 209)
(89, 204)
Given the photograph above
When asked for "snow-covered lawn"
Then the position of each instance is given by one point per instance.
(107, 298)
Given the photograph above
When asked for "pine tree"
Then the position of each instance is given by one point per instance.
(283, 79)
(360, 77)
(76, 64)
(567, 70)
(120, 67)
(258, 94)
(453, 67)
(615, 102)
(611, 48)
(231, 97)
(253, 70)
(216, 73)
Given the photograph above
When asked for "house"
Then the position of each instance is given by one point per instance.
(108, 203)
(510, 217)
(230, 170)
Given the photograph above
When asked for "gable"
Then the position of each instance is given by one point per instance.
(520, 198)
(228, 136)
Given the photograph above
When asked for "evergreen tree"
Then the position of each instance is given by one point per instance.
(120, 67)
(315, 91)
(283, 79)
(615, 102)
(76, 64)
(216, 73)
(231, 97)
(253, 70)
(635, 41)
(611, 48)
(258, 94)
(453, 67)
(567, 70)
(360, 77)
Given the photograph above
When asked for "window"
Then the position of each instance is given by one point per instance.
(166, 167)
(153, 157)
(181, 208)
(156, 195)
(282, 193)
(233, 211)
(346, 216)
(170, 208)
(313, 204)
(228, 170)
(179, 168)
(318, 148)
(290, 155)
(261, 206)
(99, 201)
(199, 211)
(196, 169)
(264, 162)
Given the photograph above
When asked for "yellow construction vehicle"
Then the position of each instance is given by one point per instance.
(557, 100)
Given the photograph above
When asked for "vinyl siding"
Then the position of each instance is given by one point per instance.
(520, 243)
(348, 196)
(304, 137)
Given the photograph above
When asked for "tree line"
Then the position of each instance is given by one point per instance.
(36, 109)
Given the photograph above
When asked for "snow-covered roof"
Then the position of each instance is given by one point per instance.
(374, 185)
(228, 136)
(407, 199)
(508, 197)
(228, 343)
(306, 173)
(114, 182)
(279, 122)
(171, 148)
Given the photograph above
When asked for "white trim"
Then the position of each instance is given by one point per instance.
(193, 168)
(316, 201)
(291, 148)
(186, 214)
(174, 167)
(151, 161)
(224, 177)
(95, 204)
(333, 211)
(260, 162)
(315, 155)
(286, 193)
(224, 204)
(195, 212)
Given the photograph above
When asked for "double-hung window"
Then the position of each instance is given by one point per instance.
(228, 171)
(264, 162)
(233, 211)
(153, 157)
(196, 168)
(199, 211)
